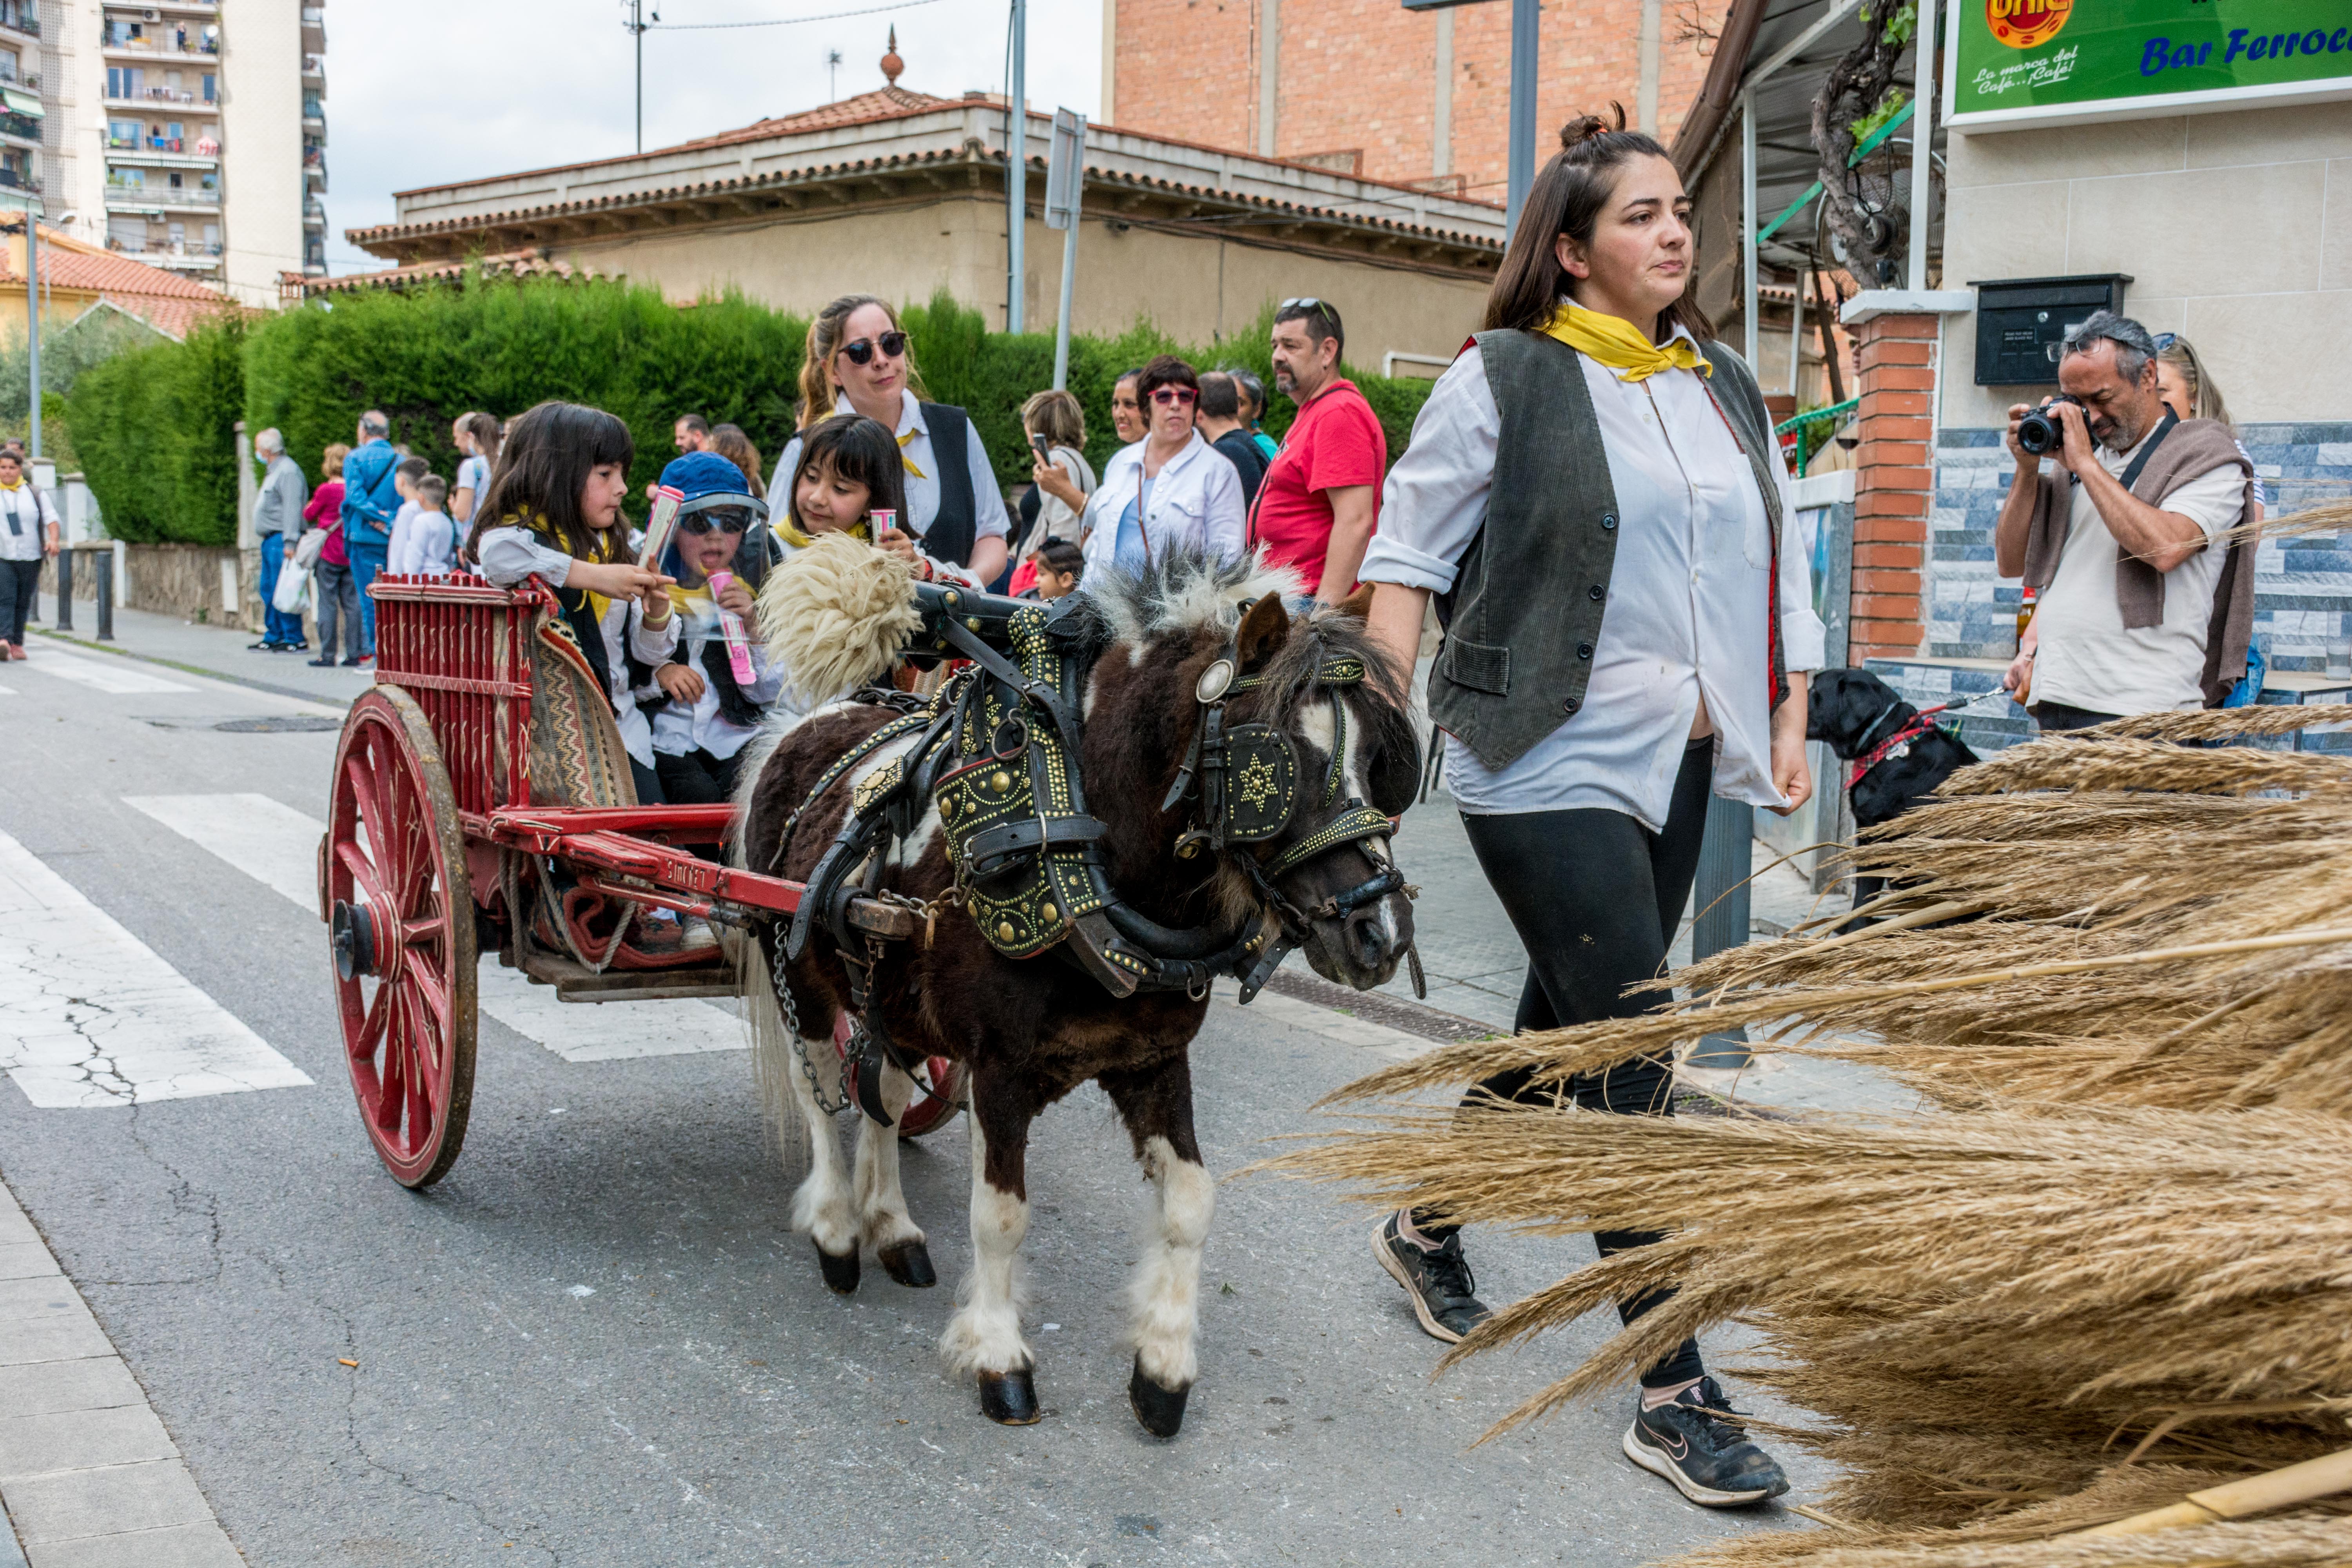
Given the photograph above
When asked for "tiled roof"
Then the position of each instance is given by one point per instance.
(166, 300)
(1271, 207)
(506, 263)
(884, 103)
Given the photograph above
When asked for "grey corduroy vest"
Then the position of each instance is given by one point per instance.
(1525, 614)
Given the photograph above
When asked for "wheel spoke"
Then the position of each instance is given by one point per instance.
(432, 994)
(394, 1077)
(370, 1034)
(365, 881)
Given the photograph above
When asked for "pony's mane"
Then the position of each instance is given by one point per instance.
(1185, 591)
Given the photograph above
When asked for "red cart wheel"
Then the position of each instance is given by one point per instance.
(939, 1087)
(401, 921)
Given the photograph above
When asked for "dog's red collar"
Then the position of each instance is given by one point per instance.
(1921, 722)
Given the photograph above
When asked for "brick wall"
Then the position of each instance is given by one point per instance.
(1360, 74)
(1893, 484)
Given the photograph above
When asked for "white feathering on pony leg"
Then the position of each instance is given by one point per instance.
(775, 1062)
(984, 1335)
(882, 1217)
(823, 1205)
(1164, 1299)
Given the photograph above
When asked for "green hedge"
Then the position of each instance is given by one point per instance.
(155, 430)
(154, 427)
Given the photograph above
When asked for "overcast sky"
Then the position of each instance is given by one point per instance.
(430, 91)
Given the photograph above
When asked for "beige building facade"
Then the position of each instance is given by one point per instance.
(899, 193)
(2235, 227)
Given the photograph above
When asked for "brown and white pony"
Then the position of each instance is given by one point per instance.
(1030, 1031)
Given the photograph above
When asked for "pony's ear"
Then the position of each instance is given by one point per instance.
(1265, 627)
(1358, 604)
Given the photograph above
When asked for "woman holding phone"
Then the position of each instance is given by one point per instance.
(859, 361)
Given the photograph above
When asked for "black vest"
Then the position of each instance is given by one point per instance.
(956, 529)
(1525, 614)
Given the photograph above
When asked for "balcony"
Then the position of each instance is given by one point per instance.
(153, 198)
(20, 127)
(20, 17)
(18, 180)
(313, 215)
(314, 176)
(314, 68)
(182, 257)
(30, 81)
(192, 48)
(169, 96)
(165, 153)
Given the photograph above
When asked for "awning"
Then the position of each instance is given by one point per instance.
(27, 104)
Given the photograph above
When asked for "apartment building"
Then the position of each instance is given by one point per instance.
(189, 133)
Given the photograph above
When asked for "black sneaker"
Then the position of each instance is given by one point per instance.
(1698, 1444)
(1438, 1282)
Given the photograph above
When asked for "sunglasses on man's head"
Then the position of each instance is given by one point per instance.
(862, 352)
(1304, 302)
(1173, 397)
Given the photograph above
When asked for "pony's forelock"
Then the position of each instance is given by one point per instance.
(1185, 591)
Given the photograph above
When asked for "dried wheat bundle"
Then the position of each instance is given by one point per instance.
(2223, 723)
(2064, 762)
(2315, 1540)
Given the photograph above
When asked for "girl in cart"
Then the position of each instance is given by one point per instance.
(553, 512)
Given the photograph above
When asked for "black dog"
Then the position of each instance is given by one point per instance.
(1856, 713)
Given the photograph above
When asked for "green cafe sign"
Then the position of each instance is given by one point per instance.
(2059, 62)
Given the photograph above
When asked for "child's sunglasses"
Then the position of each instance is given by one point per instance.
(726, 520)
(862, 352)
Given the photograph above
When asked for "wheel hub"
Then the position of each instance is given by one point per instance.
(351, 931)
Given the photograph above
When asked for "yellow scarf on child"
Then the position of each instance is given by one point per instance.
(787, 528)
(1619, 344)
(605, 549)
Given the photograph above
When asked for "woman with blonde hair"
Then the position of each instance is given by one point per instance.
(2181, 382)
(859, 361)
(1060, 478)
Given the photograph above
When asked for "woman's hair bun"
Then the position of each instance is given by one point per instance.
(1585, 127)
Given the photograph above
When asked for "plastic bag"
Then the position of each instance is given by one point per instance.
(2249, 690)
(293, 594)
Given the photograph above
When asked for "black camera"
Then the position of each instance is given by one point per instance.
(2040, 432)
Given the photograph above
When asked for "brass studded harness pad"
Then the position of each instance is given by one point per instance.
(1016, 823)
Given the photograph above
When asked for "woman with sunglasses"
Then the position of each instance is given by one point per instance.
(715, 700)
(1171, 491)
(954, 524)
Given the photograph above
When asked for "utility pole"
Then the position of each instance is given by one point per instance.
(1527, 39)
(1066, 176)
(636, 23)
(1016, 167)
(33, 323)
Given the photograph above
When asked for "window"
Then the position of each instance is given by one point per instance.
(174, 179)
(125, 81)
(210, 94)
(126, 179)
(173, 131)
(212, 236)
(7, 65)
(122, 133)
(127, 233)
(178, 235)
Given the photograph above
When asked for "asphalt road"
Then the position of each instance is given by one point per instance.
(596, 1341)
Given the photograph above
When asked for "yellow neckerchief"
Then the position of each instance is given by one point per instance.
(841, 405)
(1619, 344)
(789, 528)
(536, 524)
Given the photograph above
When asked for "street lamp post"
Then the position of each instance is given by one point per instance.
(1527, 51)
(1017, 168)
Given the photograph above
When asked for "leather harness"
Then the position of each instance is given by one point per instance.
(996, 751)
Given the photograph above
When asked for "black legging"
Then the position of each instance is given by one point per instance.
(1595, 898)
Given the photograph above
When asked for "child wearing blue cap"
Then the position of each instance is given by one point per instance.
(721, 681)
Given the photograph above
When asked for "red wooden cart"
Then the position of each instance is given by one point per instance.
(436, 842)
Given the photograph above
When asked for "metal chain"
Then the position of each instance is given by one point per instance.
(799, 1045)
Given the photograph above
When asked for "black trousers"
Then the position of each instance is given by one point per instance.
(1595, 898)
(649, 784)
(697, 778)
(2054, 717)
(20, 587)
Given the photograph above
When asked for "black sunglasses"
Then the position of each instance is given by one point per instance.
(733, 519)
(862, 351)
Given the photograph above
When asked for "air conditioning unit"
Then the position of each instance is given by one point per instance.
(152, 14)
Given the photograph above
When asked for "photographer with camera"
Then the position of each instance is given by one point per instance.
(2137, 613)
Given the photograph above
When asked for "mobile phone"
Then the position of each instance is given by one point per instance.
(1043, 448)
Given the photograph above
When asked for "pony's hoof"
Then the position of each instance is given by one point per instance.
(1161, 1410)
(840, 1273)
(908, 1263)
(1010, 1398)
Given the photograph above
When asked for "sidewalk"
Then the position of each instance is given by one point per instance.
(220, 652)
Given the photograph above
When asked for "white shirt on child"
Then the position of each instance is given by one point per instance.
(511, 555)
(683, 727)
(425, 546)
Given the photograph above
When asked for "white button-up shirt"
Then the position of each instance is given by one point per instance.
(1195, 502)
(683, 727)
(25, 523)
(922, 489)
(1689, 593)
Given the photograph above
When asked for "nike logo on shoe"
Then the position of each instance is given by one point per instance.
(1678, 1449)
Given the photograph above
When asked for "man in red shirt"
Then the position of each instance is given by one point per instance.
(1315, 505)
